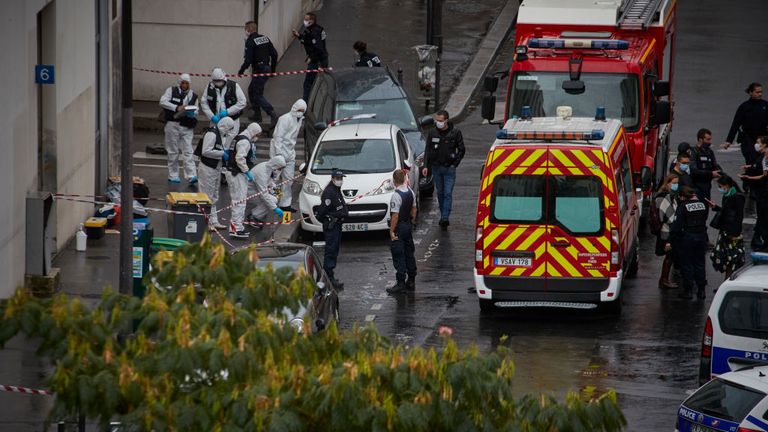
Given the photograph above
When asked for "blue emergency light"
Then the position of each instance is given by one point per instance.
(594, 134)
(759, 257)
(607, 44)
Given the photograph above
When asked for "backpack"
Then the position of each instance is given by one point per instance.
(654, 220)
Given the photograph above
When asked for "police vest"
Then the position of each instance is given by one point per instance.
(230, 98)
(703, 159)
(695, 216)
(177, 98)
(250, 158)
(209, 162)
(405, 206)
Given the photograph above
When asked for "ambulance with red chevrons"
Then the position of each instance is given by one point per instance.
(557, 214)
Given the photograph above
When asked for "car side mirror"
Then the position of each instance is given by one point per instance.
(427, 121)
(662, 113)
(491, 83)
(661, 88)
(303, 168)
(488, 108)
(321, 126)
(407, 164)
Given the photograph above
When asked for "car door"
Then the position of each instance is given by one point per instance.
(325, 302)
(314, 114)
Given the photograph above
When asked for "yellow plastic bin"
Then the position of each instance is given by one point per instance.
(189, 227)
(95, 227)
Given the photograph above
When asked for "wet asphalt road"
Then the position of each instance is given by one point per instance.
(650, 354)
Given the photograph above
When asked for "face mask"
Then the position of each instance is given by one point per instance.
(307, 23)
(218, 83)
(684, 168)
(299, 114)
(758, 148)
(707, 145)
(440, 124)
(674, 187)
(338, 183)
(721, 190)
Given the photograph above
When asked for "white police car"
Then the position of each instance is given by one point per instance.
(736, 331)
(368, 154)
(733, 402)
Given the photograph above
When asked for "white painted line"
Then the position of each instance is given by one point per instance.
(145, 155)
(377, 306)
(750, 221)
(150, 166)
(370, 318)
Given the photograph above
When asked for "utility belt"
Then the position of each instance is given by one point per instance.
(695, 230)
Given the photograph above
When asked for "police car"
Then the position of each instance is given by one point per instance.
(733, 402)
(368, 154)
(736, 331)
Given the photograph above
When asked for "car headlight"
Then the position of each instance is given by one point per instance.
(298, 324)
(311, 187)
(420, 160)
(386, 187)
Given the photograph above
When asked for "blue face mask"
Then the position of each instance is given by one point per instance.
(721, 190)
(674, 187)
(684, 167)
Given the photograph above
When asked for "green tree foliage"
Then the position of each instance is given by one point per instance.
(231, 363)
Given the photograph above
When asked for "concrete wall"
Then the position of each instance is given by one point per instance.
(198, 35)
(74, 134)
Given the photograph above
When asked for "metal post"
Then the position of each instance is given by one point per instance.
(437, 83)
(429, 21)
(400, 75)
(126, 178)
(437, 25)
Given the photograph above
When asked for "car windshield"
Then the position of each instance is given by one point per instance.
(395, 111)
(745, 313)
(543, 92)
(725, 400)
(354, 156)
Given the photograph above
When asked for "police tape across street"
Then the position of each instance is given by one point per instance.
(267, 74)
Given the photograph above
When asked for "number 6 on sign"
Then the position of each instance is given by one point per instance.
(44, 74)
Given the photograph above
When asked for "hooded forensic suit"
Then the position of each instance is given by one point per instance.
(284, 144)
(227, 100)
(265, 175)
(209, 169)
(241, 159)
(179, 128)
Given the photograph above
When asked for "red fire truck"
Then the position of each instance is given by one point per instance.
(614, 54)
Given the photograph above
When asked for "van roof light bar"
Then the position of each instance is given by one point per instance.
(600, 44)
(593, 135)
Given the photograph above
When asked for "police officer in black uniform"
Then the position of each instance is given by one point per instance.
(331, 213)
(688, 233)
(365, 58)
(261, 56)
(749, 122)
(312, 36)
(704, 167)
(402, 210)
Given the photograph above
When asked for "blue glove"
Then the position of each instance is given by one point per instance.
(223, 113)
(249, 176)
(279, 212)
(215, 119)
(225, 156)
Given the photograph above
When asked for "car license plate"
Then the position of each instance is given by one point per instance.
(512, 262)
(354, 227)
(700, 428)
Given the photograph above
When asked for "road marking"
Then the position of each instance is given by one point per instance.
(149, 166)
(377, 306)
(370, 318)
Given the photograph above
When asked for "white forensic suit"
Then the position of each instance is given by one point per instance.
(265, 176)
(209, 169)
(284, 144)
(179, 128)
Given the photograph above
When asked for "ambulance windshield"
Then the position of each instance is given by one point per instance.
(543, 92)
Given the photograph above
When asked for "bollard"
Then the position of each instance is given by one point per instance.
(400, 75)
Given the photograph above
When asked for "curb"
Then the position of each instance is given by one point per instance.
(486, 52)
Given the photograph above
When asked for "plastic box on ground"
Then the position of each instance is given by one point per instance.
(186, 226)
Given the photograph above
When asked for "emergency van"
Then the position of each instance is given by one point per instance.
(584, 53)
(557, 215)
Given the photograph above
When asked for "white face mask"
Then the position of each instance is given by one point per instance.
(758, 147)
(299, 114)
(219, 83)
(307, 23)
(440, 124)
(338, 183)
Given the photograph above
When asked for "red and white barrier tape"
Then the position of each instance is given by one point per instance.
(250, 197)
(25, 390)
(269, 74)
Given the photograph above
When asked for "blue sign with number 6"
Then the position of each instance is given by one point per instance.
(44, 74)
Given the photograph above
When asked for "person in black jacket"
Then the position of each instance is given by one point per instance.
(444, 152)
(688, 234)
(704, 166)
(729, 249)
(757, 175)
(261, 56)
(312, 36)
(750, 122)
(331, 213)
(365, 58)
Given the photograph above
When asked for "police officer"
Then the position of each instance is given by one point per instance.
(403, 215)
(365, 58)
(750, 122)
(688, 234)
(179, 128)
(223, 98)
(312, 36)
(682, 170)
(261, 56)
(444, 152)
(332, 211)
(704, 167)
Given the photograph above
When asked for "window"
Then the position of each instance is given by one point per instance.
(724, 400)
(518, 199)
(626, 174)
(355, 156)
(543, 92)
(745, 313)
(578, 207)
(620, 192)
(395, 111)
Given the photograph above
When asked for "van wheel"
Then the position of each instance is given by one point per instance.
(486, 307)
(635, 263)
(612, 308)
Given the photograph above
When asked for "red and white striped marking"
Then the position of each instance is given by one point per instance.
(269, 74)
(25, 390)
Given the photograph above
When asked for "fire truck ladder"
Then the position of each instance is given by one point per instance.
(638, 14)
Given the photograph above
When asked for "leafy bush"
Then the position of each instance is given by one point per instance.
(172, 362)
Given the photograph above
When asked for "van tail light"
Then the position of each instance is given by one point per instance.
(743, 429)
(706, 341)
(479, 248)
(615, 253)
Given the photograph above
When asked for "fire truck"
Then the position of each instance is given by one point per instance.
(614, 54)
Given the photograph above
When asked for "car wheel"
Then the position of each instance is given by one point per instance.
(635, 263)
(427, 192)
(612, 308)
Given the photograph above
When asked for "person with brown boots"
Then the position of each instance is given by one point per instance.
(666, 206)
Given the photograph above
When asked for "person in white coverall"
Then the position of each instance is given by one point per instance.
(284, 144)
(265, 175)
(223, 98)
(240, 159)
(179, 127)
(209, 170)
